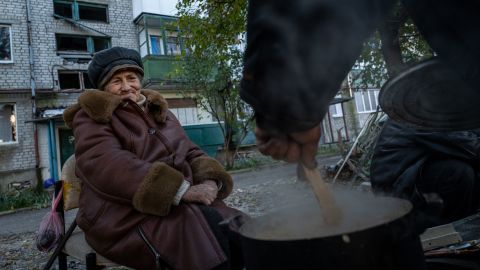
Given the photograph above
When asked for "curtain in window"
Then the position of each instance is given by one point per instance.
(155, 45)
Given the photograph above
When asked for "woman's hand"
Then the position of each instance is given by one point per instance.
(205, 193)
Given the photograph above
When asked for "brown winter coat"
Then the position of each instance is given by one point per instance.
(131, 163)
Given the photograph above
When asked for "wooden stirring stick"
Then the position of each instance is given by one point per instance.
(331, 213)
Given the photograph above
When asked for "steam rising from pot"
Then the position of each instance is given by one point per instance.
(303, 219)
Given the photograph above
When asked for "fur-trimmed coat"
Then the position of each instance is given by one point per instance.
(132, 163)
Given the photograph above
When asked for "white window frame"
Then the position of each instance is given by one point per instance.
(15, 119)
(186, 115)
(373, 104)
(11, 44)
(160, 44)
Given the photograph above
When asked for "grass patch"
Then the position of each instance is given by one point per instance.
(253, 161)
(29, 197)
(328, 149)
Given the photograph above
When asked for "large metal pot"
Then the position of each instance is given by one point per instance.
(376, 233)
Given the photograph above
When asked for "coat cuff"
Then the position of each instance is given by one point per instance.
(181, 191)
(206, 168)
(157, 190)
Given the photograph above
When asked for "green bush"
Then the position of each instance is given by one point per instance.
(16, 199)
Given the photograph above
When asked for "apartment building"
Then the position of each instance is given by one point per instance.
(45, 47)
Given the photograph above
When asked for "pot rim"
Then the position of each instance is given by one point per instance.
(404, 205)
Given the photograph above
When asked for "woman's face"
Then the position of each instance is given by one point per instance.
(125, 84)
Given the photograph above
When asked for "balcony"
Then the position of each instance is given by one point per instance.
(159, 69)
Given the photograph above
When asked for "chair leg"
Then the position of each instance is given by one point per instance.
(62, 261)
(60, 246)
(91, 261)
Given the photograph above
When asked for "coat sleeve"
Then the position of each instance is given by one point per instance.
(117, 174)
(401, 151)
(297, 55)
(206, 168)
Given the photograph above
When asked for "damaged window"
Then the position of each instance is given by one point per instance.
(100, 43)
(85, 44)
(81, 10)
(71, 43)
(5, 44)
(63, 9)
(92, 12)
(8, 123)
(73, 79)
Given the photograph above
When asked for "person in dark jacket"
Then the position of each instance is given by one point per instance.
(437, 171)
(150, 198)
(299, 52)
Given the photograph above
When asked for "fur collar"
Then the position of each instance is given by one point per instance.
(100, 105)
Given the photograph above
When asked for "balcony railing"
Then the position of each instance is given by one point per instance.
(160, 68)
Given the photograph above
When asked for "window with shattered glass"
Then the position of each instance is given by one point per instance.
(5, 44)
(8, 123)
(78, 10)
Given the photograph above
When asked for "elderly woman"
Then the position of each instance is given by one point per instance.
(150, 198)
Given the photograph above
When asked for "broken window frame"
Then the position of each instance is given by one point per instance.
(82, 76)
(89, 43)
(10, 121)
(75, 8)
(10, 50)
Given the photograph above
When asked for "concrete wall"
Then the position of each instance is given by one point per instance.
(163, 7)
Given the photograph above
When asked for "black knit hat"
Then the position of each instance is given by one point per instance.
(106, 62)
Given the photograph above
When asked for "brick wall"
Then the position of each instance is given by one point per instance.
(17, 161)
(15, 75)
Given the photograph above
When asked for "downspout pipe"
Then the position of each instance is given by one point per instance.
(33, 94)
(30, 55)
(52, 150)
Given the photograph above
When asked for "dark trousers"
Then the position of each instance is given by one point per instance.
(456, 183)
(230, 245)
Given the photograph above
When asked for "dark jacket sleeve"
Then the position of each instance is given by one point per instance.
(117, 174)
(401, 151)
(297, 55)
